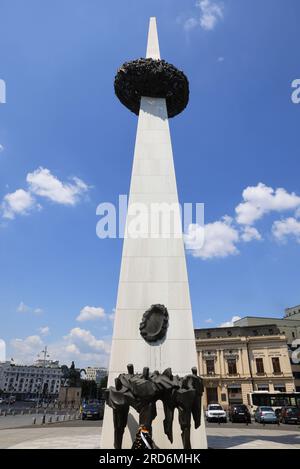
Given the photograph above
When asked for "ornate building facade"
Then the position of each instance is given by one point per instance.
(237, 360)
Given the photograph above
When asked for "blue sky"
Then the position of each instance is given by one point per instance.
(67, 145)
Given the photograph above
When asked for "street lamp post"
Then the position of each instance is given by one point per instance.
(45, 356)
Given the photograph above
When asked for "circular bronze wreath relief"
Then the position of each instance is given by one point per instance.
(154, 324)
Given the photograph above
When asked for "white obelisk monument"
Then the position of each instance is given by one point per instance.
(153, 271)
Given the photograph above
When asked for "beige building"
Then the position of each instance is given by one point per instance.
(289, 326)
(237, 360)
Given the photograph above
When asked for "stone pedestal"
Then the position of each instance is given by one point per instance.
(69, 396)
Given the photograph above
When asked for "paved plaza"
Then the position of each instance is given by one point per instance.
(86, 435)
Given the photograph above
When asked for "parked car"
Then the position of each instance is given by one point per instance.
(215, 412)
(239, 413)
(265, 414)
(92, 411)
(290, 414)
(10, 400)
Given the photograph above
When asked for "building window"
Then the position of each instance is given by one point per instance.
(276, 365)
(229, 333)
(210, 367)
(208, 334)
(232, 370)
(263, 387)
(259, 366)
(279, 387)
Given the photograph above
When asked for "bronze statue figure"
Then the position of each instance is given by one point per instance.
(142, 391)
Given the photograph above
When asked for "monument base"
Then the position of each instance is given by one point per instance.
(69, 396)
(198, 437)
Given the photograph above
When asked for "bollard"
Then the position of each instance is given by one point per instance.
(44, 419)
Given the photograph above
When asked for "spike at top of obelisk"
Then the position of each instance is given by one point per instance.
(152, 77)
(152, 44)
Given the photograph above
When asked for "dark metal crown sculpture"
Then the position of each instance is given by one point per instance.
(154, 78)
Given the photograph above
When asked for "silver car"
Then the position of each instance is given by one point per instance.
(265, 414)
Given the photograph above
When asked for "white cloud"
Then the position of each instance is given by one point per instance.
(67, 351)
(112, 315)
(282, 229)
(190, 23)
(26, 350)
(87, 339)
(220, 238)
(43, 183)
(211, 13)
(2, 350)
(230, 323)
(1, 148)
(89, 313)
(249, 233)
(261, 199)
(79, 345)
(45, 330)
(23, 308)
(208, 321)
(19, 202)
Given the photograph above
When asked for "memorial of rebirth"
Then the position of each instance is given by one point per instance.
(153, 381)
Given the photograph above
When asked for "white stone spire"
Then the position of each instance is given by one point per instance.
(153, 44)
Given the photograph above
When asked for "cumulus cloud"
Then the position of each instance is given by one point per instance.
(220, 238)
(210, 13)
(15, 203)
(230, 323)
(26, 350)
(249, 233)
(79, 345)
(86, 338)
(261, 199)
(43, 183)
(90, 313)
(288, 227)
